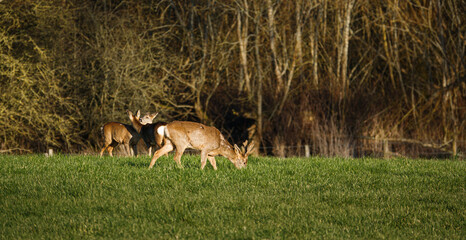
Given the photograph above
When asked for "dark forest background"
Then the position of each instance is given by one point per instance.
(342, 77)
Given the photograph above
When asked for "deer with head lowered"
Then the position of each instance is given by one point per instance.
(209, 140)
(118, 133)
(148, 131)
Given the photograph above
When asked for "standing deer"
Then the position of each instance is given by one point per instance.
(209, 140)
(118, 133)
(148, 131)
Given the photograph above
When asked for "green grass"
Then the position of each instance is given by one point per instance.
(70, 197)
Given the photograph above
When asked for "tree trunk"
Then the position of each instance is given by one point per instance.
(259, 116)
(273, 47)
(242, 30)
(344, 61)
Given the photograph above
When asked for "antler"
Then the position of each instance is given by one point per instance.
(247, 148)
(243, 148)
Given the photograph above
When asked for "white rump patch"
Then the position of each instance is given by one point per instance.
(161, 130)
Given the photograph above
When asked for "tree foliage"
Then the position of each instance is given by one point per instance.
(319, 73)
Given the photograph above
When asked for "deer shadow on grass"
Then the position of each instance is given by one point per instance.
(143, 162)
(165, 162)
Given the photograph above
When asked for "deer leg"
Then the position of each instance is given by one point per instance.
(150, 151)
(159, 143)
(177, 157)
(110, 151)
(203, 159)
(103, 150)
(107, 143)
(212, 161)
(135, 150)
(165, 149)
(110, 148)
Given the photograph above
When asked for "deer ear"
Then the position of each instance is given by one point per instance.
(138, 114)
(154, 115)
(130, 114)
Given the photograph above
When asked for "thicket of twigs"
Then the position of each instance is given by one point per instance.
(327, 74)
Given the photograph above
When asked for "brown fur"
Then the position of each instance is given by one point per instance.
(116, 133)
(209, 140)
(148, 132)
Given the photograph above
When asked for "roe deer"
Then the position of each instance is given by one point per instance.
(209, 140)
(118, 133)
(148, 131)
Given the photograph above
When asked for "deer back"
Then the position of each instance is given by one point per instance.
(193, 135)
(118, 132)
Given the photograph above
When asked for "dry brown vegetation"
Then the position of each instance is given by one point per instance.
(339, 76)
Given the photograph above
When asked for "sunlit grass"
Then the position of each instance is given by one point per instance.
(298, 198)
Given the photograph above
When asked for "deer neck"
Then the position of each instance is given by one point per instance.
(227, 150)
(136, 124)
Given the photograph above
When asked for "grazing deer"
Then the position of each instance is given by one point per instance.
(148, 131)
(208, 140)
(118, 133)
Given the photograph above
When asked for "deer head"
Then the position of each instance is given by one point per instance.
(241, 159)
(148, 118)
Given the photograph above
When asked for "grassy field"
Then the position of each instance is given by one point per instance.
(70, 197)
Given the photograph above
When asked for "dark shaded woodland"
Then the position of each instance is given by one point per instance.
(343, 77)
